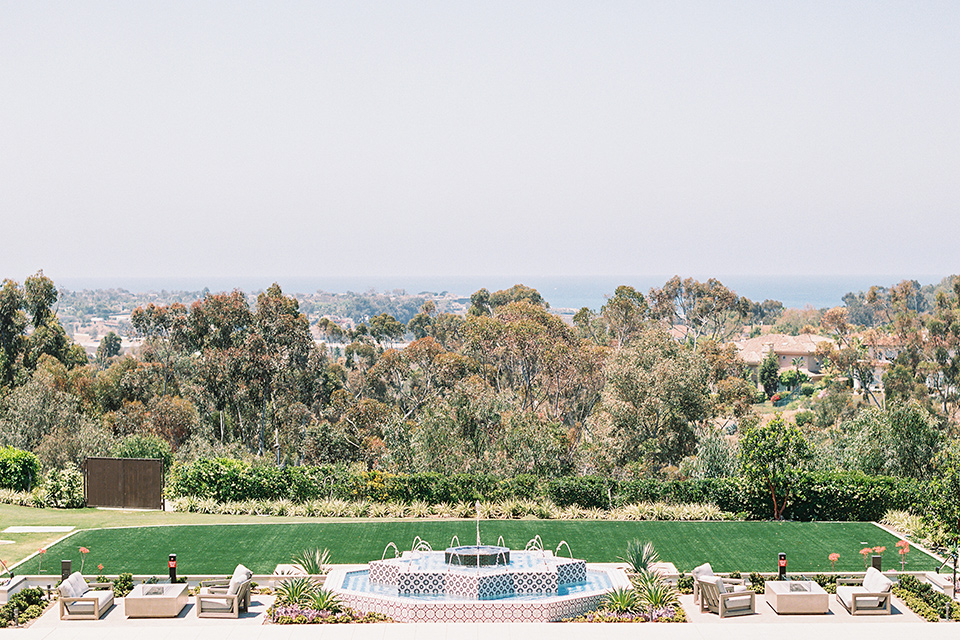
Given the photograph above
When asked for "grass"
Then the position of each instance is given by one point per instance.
(216, 547)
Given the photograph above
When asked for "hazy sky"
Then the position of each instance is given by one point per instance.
(547, 138)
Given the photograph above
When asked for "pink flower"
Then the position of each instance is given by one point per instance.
(879, 549)
(84, 550)
(100, 567)
(834, 557)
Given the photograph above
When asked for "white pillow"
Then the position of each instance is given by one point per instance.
(702, 571)
(721, 588)
(67, 590)
(876, 582)
(78, 584)
(241, 573)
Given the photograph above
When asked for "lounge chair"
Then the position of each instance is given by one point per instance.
(715, 597)
(225, 598)
(872, 595)
(705, 571)
(82, 600)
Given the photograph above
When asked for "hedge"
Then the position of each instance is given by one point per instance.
(816, 496)
(19, 470)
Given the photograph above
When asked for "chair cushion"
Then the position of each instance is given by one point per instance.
(845, 593)
(74, 586)
(876, 582)
(738, 588)
(721, 588)
(240, 575)
(104, 598)
(215, 604)
(702, 571)
(738, 602)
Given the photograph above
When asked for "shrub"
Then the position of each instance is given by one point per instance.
(803, 418)
(144, 445)
(19, 470)
(123, 585)
(807, 389)
(64, 489)
(30, 603)
(585, 491)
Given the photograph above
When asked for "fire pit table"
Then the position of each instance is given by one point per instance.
(156, 600)
(796, 596)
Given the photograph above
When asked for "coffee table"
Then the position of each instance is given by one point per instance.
(156, 600)
(796, 596)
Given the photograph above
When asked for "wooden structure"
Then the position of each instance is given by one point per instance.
(133, 483)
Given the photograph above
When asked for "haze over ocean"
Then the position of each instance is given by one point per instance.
(560, 291)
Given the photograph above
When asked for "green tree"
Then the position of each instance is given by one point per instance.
(770, 456)
(109, 347)
(625, 315)
(656, 392)
(770, 374)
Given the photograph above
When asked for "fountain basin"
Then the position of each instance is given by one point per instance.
(477, 555)
(535, 586)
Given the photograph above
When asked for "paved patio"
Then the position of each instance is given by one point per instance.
(902, 625)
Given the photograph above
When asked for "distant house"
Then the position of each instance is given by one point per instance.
(787, 348)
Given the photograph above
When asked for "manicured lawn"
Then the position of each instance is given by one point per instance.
(728, 546)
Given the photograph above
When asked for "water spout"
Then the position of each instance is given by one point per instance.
(563, 542)
(500, 542)
(396, 552)
(419, 544)
(453, 540)
(478, 523)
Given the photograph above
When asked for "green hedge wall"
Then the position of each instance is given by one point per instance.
(820, 496)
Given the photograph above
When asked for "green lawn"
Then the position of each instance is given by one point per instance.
(728, 546)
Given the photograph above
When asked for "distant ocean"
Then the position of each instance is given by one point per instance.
(560, 291)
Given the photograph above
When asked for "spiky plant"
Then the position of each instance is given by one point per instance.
(622, 601)
(654, 594)
(641, 556)
(379, 510)
(296, 590)
(313, 561)
(324, 600)
(420, 509)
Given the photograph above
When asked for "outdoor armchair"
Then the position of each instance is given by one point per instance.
(715, 597)
(225, 598)
(705, 571)
(82, 600)
(872, 595)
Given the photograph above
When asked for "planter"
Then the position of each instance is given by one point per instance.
(11, 586)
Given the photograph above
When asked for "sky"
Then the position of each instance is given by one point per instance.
(237, 139)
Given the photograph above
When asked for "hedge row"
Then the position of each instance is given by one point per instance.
(19, 470)
(824, 496)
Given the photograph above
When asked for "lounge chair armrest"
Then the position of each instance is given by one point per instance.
(740, 594)
(214, 583)
(217, 596)
(80, 599)
(94, 586)
(739, 581)
(850, 581)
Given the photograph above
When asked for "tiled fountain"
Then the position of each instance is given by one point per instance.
(475, 583)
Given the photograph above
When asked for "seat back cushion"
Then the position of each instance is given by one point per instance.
(721, 588)
(876, 582)
(702, 571)
(77, 584)
(240, 575)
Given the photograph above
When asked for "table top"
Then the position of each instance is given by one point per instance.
(784, 587)
(158, 590)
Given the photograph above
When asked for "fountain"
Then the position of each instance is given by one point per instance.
(470, 583)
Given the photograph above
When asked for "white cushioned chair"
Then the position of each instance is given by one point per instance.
(225, 598)
(82, 600)
(705, 571)
(715, 597)
(872, 595)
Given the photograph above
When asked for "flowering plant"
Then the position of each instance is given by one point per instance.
(833, 561)
(904, 549)
(83, 556)
(40, 560)
(865, 552)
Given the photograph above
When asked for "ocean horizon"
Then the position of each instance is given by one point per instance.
(571, 292)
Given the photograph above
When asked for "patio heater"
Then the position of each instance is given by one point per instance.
(172, 565)
(782, 566)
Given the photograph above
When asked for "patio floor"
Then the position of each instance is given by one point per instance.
(902, 625)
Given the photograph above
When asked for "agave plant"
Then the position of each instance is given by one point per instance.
(324, 600)
(656, 595)
(297, 590)
(641, 556)
(622, 601)
(313, 561)
(379, 510)
(420, 509)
